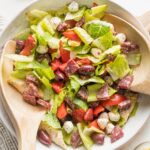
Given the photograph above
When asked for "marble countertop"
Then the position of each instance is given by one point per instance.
(9, 8)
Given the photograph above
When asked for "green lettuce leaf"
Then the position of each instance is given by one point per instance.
(97, 28)
(43, 80)
(104, 42)
(118, 68)
(23, 35)
(87, 141)
(98, 10)
(35, 15)
(51, 120)
(48, 93)
(84, 36)
(82, 49)
(20, 58)
(92, 92)
(88, 131)
(75, 16)
(80, 103)
(58, 99)
(134, 59)
(90, 80)
(26, 65)
(100, 69)
(46, 24)
(20, 74)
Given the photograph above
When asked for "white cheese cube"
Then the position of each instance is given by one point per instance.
(114, 116)
(102, 122)
(73, 7)
(68, 126)
(109, 128)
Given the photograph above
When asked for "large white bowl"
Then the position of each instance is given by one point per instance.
(135, 123)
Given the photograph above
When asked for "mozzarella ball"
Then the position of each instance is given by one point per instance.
(68, 126)
(114, 116)
(121, 37)
(73, 7)
(109, 128)
(102, 122)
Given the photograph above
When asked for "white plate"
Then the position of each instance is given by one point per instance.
(135, 123)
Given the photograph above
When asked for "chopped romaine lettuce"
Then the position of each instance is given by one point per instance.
(43, 80)
(51, 120)
(100, 69)
(23, 35)
(104, 42)
(48, 94)
(34, 16)
(88, 131)
(133, 113)
(82, 49)
(80, 103)
(118, 68)
(97, 10)
(75, 16)
(47, 26)
(20, 58)
(92, 92)
(20, 74)
(97, 28)
(47, 72)
(93, 79)
(84, 36)
(28, 65)
(87, 141)
(126, 113)
(56, 102)
(90, 57)
(134, 59)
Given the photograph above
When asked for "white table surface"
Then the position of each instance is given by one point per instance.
(9, 8)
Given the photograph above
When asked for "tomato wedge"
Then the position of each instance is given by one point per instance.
(63, 66)
(62, 111)
(98, 110)
(71, 35)
(55, 64)
(94, 124)
(65, 55)
(78, 115)
(29, 45)
(57, 86)
(114, 100)
(89, 115)
(84, 61)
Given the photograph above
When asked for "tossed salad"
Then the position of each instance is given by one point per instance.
(76, 66)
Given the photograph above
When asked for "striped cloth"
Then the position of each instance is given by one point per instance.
(7, 141)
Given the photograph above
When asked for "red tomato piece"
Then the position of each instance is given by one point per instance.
(78, 115)
(63, 66)
(29, 45)
(65, 55)
(57, 86)
(62, 111)
(114, 100)
(94, 124)
(89, 115)
(98, 110)
(55, 64)
(71, 35)
(84, 61)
